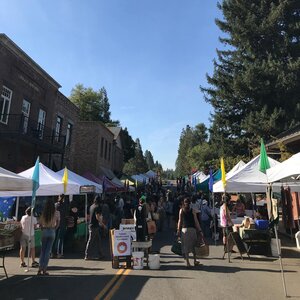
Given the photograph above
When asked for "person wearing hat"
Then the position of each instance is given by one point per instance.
(205, 218)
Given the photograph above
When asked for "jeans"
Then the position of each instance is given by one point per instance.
(58, 245)
(48, 236)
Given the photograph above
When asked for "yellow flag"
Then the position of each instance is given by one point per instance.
(65, 180)
(223, 172)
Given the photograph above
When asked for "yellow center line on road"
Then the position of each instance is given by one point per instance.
(117, 285)
(109, 284)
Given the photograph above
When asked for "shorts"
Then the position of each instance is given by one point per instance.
(24, 241)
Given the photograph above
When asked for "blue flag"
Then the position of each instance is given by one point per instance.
(35, 181)
(211, 181)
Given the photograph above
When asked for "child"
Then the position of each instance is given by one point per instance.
(27, 235)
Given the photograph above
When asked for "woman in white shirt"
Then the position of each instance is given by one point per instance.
(28, 236)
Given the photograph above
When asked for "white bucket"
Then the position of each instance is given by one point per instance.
(154, 263)
(138, 260)
(297, 237)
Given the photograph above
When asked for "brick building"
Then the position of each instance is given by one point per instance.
(30, 105)
(94, 148)
(36, 119)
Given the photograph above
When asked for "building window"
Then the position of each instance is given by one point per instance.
(5, 100)
(41, 123)
(102, 146)
(58, 128)
(105, 153)
(26, 113)
(109, 151)
(69, 134)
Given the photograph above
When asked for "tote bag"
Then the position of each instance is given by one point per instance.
(176, 247)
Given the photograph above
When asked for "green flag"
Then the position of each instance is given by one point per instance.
(264, 161)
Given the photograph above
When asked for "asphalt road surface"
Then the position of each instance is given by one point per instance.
(73, 278)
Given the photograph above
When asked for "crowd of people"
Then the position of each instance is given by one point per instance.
(189, 215)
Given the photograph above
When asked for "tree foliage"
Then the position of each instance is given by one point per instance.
(149, 160)
(128, 145)
(93, 105)
(254, 89)
(137, 164)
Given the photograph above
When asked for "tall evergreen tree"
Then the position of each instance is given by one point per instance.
(137, 164)
(255, 87)
(128, 145)
(149, 160)
(104, 104)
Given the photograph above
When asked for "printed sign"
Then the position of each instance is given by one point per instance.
(130, 228)
(122, 243)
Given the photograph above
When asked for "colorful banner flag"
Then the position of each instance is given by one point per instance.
(65, 180)
(223, 176)
(264, 163)
(35, 181)
(211, 181)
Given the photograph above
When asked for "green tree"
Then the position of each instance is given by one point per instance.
(137, 164)
(128, 145)
(190, 138)
(254, 89)
(93, 105)
(149, 160)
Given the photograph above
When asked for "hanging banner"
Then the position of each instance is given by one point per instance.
(122, 243)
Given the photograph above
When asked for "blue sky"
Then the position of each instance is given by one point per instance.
(151, 56)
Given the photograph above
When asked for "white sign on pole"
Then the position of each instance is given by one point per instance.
(130, 228)
(122, 243)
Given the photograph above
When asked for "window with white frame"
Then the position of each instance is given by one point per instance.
(58, 128)
(69, 134)
(5, 100)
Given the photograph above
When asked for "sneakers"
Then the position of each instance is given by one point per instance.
(23, 265)
(34, 264)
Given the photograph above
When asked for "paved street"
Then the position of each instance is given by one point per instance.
(74, 278)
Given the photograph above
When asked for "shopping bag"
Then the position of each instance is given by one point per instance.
(202, 250)
(151, 227)
(176, 247)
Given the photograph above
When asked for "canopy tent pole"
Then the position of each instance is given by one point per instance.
(273, 218)
(86, 216)
(214, 218)
(280, 261)
(252, 198)
(17, 208)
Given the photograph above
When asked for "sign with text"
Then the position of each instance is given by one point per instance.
(122, 243)
(130, 228)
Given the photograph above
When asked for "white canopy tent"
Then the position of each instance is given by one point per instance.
(82, 181)
(199, 176)
(287, 171)
(10, 181)
(50, 184)
(248, 179)
(138, 178)
(151, 174)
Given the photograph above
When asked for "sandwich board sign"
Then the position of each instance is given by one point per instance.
(122, 243)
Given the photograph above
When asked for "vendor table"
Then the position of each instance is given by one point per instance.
(143, 246)
(3, 251)
(257, 237)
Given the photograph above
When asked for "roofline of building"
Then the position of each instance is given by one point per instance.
(289, 138)
(20, 53)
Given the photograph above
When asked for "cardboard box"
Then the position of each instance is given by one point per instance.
(127, 221)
